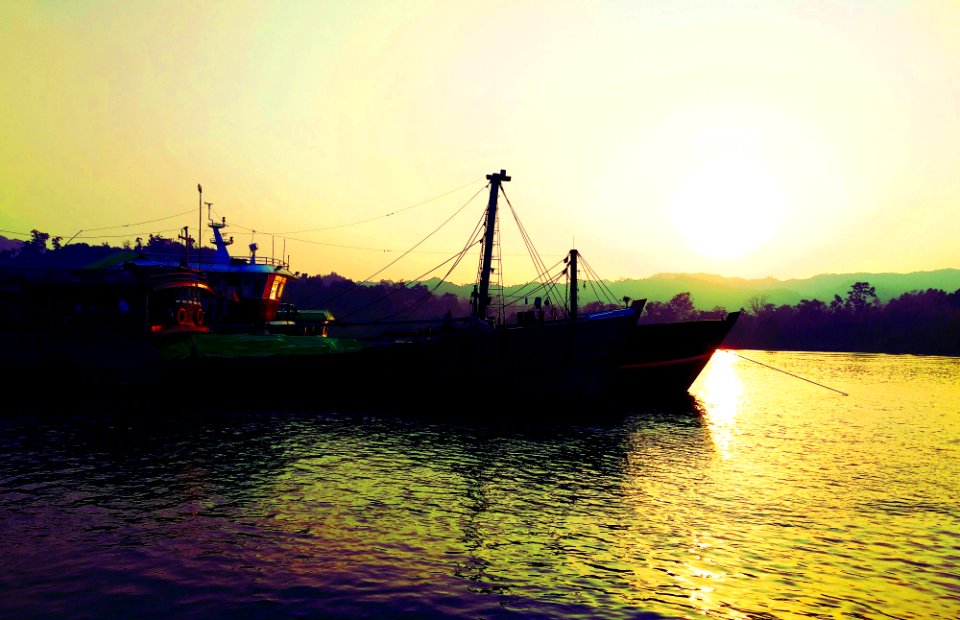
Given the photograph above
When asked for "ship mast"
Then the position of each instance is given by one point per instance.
(483, 299)
(573, 284)
(199, 225)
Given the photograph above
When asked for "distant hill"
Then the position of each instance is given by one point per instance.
(709, 291)
(9, 244)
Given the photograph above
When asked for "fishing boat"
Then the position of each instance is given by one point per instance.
(234, 325)
(249, 290)
(103, 328)
(646, 361)
(547, 356)
(446, 358)
(100, 324)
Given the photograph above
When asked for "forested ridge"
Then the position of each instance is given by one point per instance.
(924, 321)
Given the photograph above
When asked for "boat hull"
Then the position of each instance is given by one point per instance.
(475, 370)
(471, 369)
(666, 358)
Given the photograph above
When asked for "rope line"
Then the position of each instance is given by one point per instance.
(549, 285)
(785, 372)
(169, 217)
(459, 256)
(78, 235)
(540, 280)
(417, 244)
(378, 217)
(595, 281)
(127, 234)
(382, 269)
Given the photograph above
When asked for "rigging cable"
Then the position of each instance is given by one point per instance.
(597, 282)
(169, 217)
(427, 295)
(417, 244)
(544, 286)
(459, 256)
(531, 249)
(785, 372)
(370, 277)
(419, 204)
(475, 238)
(77, 235)
(539, 280)
(528, 242)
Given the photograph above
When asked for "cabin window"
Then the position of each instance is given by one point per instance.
(275, 284)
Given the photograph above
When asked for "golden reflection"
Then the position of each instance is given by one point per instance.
(720, 391)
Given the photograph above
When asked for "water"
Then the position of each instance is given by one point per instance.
(764, 496)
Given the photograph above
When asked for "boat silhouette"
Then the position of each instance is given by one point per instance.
(240, 331)
(479, 360)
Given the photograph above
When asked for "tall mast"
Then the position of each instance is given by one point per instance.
(573, 284)
(483, 300)
(199, 224)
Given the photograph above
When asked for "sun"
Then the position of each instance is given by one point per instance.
(728, 206)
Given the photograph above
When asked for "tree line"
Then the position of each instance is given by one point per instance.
(351, 302)
(920, 322)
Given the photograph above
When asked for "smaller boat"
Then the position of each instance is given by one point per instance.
(126, 298)
(249, 290)
(99, 325)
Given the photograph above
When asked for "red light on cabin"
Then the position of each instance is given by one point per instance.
(155, 328)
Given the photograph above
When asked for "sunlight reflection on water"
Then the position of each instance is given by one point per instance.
(721, 395)
(850, 497)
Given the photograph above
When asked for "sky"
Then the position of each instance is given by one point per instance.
(740, 138)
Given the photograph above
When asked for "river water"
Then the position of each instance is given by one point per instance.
(762, 496)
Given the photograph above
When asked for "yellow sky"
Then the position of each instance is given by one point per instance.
(743, 138)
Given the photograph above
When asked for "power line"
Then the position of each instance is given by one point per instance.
(169, 217)
(378, 217)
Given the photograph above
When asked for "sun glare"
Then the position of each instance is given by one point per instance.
(728, 206)
(720, 390)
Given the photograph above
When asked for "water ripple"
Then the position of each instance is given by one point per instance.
(759, 498)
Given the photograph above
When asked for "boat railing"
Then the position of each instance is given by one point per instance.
(265, 260)
(175, 258)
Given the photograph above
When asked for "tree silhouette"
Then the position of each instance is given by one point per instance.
(679, 308)
(36, 246)
(758, 304)
(860, 297)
